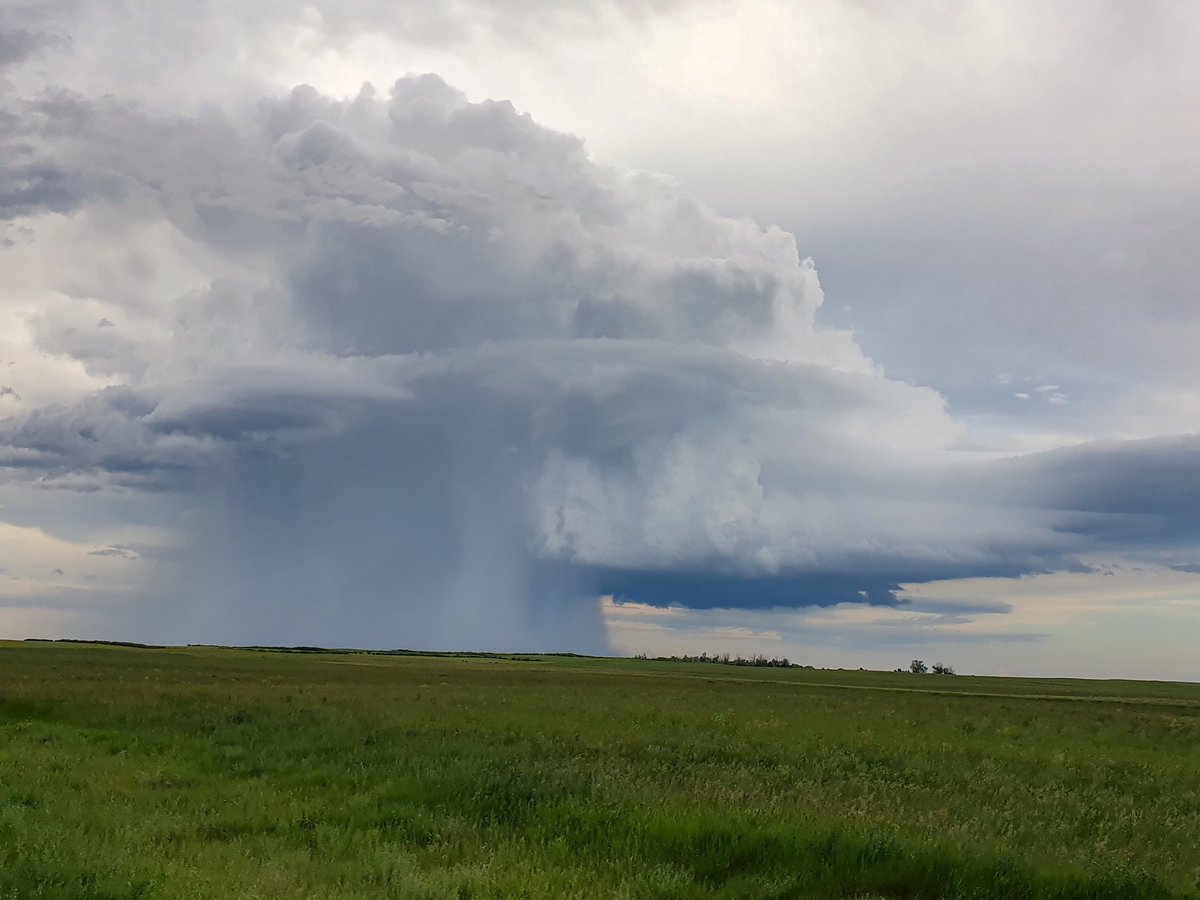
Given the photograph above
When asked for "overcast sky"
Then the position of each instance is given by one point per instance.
(846, 331)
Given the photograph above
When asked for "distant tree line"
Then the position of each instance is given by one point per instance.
(724, 659)
(134, 644)
(918, 667)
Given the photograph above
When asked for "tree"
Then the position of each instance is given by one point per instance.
(918, 667)
(942, 669)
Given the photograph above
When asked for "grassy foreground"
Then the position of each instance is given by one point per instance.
(196, 773)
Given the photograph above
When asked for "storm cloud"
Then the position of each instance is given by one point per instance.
(400, 368)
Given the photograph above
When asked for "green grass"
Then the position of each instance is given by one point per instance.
(201, 772)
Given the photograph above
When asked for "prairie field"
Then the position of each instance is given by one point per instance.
(205, 772)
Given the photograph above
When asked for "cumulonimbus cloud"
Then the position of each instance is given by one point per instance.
(416, 370)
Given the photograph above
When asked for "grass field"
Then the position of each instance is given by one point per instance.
(198, 772)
